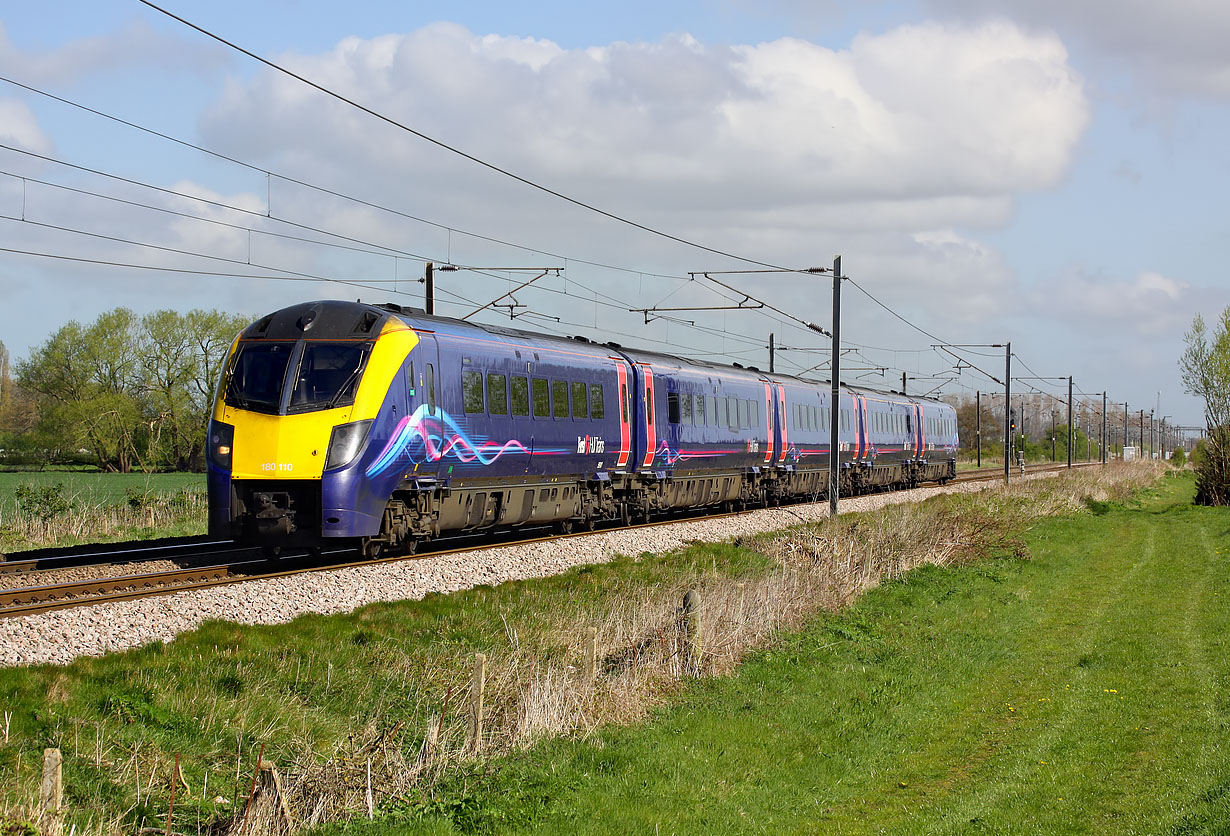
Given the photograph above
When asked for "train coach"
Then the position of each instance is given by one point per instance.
(340, 422)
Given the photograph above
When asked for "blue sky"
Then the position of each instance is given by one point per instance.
(1046, 172)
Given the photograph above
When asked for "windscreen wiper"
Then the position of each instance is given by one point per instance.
(233, 395)
(354, 375)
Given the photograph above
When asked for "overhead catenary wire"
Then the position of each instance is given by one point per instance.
(395, 253)
(459, 152)
(381, 251)
(268, 215)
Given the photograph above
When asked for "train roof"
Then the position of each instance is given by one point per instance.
(332, 319)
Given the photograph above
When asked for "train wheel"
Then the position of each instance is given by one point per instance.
(271, 552)
(410, 545)
(589, 524)
(564, 527)
(625, 514)
(372, 549)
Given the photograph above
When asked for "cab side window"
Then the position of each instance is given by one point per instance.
(431, 388)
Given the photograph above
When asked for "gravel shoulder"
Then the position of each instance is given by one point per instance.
(61, 636)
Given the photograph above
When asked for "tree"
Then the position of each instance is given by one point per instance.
(88, 380)
(131, 391)
(182, 356)
(967, 425)
(1205, 366)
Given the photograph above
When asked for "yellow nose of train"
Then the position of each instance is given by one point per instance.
(295, 383)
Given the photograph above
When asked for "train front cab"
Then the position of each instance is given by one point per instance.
(303, 393)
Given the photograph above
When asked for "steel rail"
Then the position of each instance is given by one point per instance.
(17, 563)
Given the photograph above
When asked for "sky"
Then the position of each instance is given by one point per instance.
(1046, 172)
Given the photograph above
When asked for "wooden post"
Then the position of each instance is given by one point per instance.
(171, 803)
(51, 793)
(477, 686)
(371, 806)
(591, 655)
(694, 628)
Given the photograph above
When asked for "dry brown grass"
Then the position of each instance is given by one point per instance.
(53, 520)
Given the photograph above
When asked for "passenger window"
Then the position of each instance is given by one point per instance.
(742, 407)
(623, 401)
(754, 411)
(472, 391)
(579, 407)
(649, 406)
(431, 388)
(520, 396)
(559, 398)
(597, 409)
(713, 413)
(672, 407)
(700, 410)
(909, 424)
(685, 409)
(497, 393)
(542, 398)
(796, 416)
(732, 414)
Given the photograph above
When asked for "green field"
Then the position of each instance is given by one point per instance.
(1082, 691)
(60, 508)
(93, 487)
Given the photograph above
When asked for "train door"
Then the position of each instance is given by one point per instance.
(624, 383)
(646, 416)
(782, 423)
(920, 431)
(867, 431)
(425, 391)
(770, 422)
(861, 436)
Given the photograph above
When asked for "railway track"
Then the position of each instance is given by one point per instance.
(117, 555)
(248, 565)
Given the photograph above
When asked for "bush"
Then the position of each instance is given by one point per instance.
(1211, 460)
(1179, 457)
(46, 502)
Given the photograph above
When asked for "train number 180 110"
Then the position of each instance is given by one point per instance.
(277, 467)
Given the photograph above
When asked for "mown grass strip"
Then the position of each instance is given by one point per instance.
(1081, 691)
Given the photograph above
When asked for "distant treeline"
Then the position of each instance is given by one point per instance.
(124, 393)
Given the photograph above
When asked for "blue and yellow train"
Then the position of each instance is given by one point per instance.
(382, 426)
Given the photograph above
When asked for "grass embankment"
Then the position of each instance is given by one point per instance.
(66, 508)
(910, 686)
(1081, 691)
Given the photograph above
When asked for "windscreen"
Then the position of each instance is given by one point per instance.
(328, 374)
(257, 375)
(323, 374)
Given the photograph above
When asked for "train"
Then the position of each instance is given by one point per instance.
(379, 426)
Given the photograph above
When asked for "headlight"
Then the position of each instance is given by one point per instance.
(346, 442)
(218, 442)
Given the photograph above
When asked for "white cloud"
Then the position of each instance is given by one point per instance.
(1148, 304)
(19, 127)
(922, 112)
(1177, 46)
(773, 149)
(136, 45)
